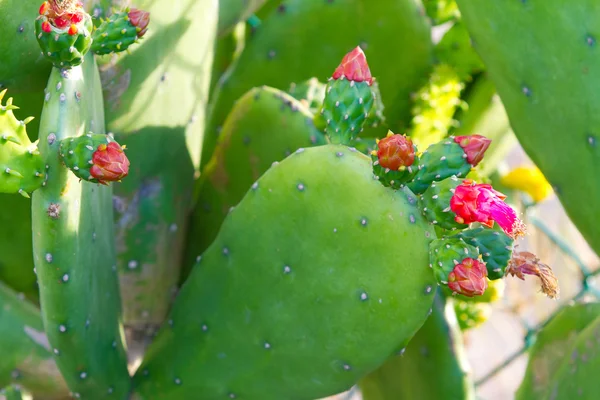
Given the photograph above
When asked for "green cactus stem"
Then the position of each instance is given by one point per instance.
(26, 354)
(64, 32)
(21, 167)
(327, 321)
(73, 246)
(120, 31)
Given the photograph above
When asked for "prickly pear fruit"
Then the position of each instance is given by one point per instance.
(265, 126)
(393, 160)
(471, 314)
(348, 99)
(327, 320)
(63, 30)
(120, 31)
(435, 204)
(435, 105)
(495, 248)
(21, 167)
(433, 365)
(555, 354)
(95, 158)
(452, 156)
(458, 266)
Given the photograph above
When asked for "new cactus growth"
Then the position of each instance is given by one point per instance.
(348, 100)
(95, 158)
(64, 32)
(21, 167)
(120, 31)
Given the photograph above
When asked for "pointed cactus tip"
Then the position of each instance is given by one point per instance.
(354, 67)
(474, 147)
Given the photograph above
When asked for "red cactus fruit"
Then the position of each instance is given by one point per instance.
(473, 202)
(395, 152)
(474, 147)
(468, 278)
(110, 163)
(140, 19)
(354, 67)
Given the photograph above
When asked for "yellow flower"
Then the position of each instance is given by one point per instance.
(530, 180)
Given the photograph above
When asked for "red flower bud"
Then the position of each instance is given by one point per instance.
(474, 147)
(354, 67)
(110, 163)
(468, 278)
(395, 152)
(140, 19)
(46, 27)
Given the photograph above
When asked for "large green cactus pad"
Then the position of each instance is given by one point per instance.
(266, 125)
(314, 49)
(544, 59)
(433, 365)
(316, 292)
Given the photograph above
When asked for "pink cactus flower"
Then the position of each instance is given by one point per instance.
(468, 278)
(473, 202)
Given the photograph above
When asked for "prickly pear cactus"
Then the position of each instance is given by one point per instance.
(265, 126)
(330, 297)
(231, 12)
(273, 59)
(26, 355)
(529, 84)
(74, 252)
(120, 31)
(563, 361)
(433, 365)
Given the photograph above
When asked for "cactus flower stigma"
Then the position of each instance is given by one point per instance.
(526, 263)
(468, 278)
(474, 147)
(395, 152)
(473, 202)
(140, 19)
(110, 163)
(354, 67)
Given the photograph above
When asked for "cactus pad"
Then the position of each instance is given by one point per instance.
(21, 167)
(435, 204)
(313, 322)
(120, 31)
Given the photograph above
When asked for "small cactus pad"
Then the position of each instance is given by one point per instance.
(348, 99)
(494, 246)
(95, 158)
(120, 31)
(457, 267)
(21, 167)
(63, 30)
(268, 315)
(440, 161)
(435, 105)
(435, 204)
(433, 366)
(393, 160)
